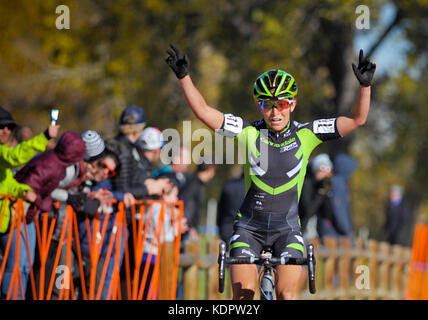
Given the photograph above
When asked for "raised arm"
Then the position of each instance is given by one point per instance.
(179, 63)
(358, 115)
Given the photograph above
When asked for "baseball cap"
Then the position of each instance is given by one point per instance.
(132, 115)
(95, 147)
(151, 138)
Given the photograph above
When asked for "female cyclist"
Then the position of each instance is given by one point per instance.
(268, 216)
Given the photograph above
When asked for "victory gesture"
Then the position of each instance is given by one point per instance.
(365, 70)
(178, 62)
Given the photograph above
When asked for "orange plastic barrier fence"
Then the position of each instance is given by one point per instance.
(417, 285)
(154, 225)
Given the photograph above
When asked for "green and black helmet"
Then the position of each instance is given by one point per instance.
(275, 84)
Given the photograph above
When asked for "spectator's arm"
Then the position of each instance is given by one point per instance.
(59, 195)
(23, 152)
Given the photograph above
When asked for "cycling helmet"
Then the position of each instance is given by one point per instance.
(275, 83)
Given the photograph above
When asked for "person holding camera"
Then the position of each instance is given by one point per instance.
(315, 207)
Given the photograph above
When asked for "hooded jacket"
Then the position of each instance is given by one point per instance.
(44, 172)
(11, 158)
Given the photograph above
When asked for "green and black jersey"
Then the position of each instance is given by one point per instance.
(275, 168)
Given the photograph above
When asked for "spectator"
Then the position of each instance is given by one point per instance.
(10, 158)
(169, 229)
(232, 195)
(315, 206)
(190, 187)
(344, 167)
(193, 195)
(135, 176)
(65, 194)
(152, 142)
(103, 164)
(398, 218)
(45, 171)
(24, 133)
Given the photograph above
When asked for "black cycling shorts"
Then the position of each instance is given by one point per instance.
(264, 229)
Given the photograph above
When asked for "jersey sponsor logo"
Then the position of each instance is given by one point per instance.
(285, 254)
(289, 147)
(232, 126)
(258, 205)
(244, 251)
(324, 126)
(277, 145)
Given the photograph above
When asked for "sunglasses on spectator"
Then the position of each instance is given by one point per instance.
(110, 172)
(266, 105)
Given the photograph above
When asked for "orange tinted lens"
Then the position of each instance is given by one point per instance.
(280, 104)
(283, 104)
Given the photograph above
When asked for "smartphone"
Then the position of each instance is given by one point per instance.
(54, 116)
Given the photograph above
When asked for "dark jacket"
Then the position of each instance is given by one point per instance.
(44, 172)
(191, 194)
(134, 167)
(397, 223)
(315, 199)
(232, 195)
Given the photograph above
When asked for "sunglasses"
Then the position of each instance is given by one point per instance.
(266, 105)
(110, 172)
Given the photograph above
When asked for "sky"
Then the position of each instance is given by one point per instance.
(389, 56)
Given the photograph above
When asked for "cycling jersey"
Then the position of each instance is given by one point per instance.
(274, 167)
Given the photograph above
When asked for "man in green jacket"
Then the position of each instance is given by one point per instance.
(11, 157)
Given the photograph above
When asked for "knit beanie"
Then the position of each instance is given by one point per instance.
(95, 147)
(6, 117)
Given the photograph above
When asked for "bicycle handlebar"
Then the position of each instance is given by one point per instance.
(269, 262)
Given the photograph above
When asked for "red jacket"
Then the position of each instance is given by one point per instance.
(44, 172)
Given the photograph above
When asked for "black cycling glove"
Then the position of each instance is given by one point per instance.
(178, 62)
(365, 70)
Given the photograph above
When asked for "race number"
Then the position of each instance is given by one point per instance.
(324, 126)
(232, 126)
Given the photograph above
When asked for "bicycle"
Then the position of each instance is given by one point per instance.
(267, 282)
